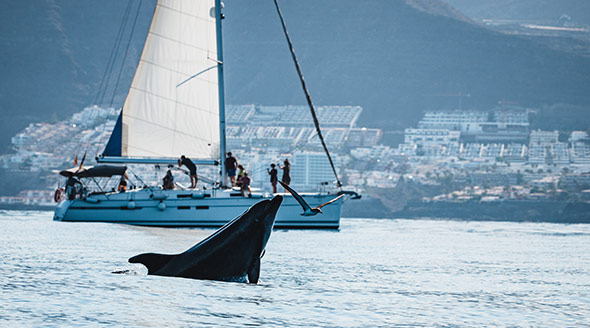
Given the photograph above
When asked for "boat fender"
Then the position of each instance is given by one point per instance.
(198, 196)
(92, 200)
(131, 205)
(58, 195)
(161, 206)
(159, 196)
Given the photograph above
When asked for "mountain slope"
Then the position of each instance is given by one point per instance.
(393, 58)
(534, 10)
(53, 55)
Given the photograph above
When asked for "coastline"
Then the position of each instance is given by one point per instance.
(550, 211)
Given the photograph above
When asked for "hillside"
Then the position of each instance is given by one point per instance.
(393, 58)
(525, 10)
(54, 54)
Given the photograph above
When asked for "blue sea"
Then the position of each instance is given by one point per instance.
(370, 273)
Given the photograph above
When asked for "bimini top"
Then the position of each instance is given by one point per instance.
(99, 171)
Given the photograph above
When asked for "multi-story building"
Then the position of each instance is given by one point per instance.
(559, 153)
(431, 136)
(577, 136)
(311, 170)
(363, 137)
(580, 153)
(457, 120)
(539, 137)
(515, 153)
(471, 151)
(287, 128)
(501, 126)
(492, 151)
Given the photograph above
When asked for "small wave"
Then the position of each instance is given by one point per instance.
(128, 272)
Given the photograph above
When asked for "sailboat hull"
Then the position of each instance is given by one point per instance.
(185, 208)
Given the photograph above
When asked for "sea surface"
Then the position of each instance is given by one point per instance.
(369, 273)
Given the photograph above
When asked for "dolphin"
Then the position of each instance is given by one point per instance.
(307, 210)
(232, 253)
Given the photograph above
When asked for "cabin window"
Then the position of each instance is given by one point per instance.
(202, 207)
(184, 207)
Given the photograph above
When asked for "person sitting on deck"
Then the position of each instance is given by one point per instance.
(241, 172)
(73, 187)
(122, 187)
(168, 181)
(245, 185)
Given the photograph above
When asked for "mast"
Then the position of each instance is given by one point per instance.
(222, 150)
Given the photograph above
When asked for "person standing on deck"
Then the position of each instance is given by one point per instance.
(286, 172)
(191, 167)
(273, 177)
(231, 164)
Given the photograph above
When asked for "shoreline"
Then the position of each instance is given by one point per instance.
(549, 211)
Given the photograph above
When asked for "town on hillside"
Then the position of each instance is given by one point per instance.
(453, 155)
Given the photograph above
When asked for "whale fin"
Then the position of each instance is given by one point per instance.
(254, 272)
(152, 261)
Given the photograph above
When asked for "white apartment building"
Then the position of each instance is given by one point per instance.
(539, 137)
(309, 170)
(580, 153)
(453, 120)
(431, 136)
(577, 136)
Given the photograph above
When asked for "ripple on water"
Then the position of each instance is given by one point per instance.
(370, 273)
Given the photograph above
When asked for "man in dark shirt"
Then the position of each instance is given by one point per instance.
(273, 177)
(191, 167)
(231, 164)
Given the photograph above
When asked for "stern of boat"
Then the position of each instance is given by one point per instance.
(61, 209)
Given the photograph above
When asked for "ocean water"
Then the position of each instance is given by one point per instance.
(370, 273)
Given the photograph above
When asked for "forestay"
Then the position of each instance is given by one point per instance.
(172, 107)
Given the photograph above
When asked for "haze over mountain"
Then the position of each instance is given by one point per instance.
(525, 10)
(394, 58)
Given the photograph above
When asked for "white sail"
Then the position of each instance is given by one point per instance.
(173, 105)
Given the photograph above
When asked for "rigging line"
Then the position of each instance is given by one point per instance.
(118, 47)
(307, 95)
(112, 55)
(126, 50)
(120, 70)
(104, 81)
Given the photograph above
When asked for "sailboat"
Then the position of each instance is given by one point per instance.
(175, 106)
